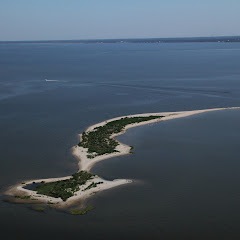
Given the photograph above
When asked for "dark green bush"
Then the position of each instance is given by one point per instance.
(98, 141)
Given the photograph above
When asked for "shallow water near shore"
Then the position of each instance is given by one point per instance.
(186, 171)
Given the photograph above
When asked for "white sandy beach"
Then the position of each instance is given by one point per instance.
(86, 164)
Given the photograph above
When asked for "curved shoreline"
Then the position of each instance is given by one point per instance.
(86, 164)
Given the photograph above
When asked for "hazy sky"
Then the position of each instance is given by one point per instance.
(91, 19)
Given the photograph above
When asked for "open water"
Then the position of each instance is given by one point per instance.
(186, 171)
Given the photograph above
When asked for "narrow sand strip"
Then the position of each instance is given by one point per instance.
(86, 163)
(81, 153)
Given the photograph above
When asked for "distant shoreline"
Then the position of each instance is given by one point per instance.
(85, 164)
(134, 40)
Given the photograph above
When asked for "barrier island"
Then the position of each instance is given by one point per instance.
(96, 144)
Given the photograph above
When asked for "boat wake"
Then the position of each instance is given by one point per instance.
(49, 80)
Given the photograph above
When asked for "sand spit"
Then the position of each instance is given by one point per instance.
(86, 164)
(81, 153)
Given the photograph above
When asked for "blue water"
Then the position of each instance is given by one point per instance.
(185, 170)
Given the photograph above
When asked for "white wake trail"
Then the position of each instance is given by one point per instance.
(48, 80)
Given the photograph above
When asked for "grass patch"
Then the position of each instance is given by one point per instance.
(39, 208)
(98, 141)
(64, 188)
(92, 185)
(81, 211)
(23, 197)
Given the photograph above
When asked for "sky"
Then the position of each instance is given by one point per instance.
(107, 19)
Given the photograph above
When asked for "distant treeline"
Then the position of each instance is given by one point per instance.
(138, 40)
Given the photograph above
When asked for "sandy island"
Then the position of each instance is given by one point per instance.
(86, 164)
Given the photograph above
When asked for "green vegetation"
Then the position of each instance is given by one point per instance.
(39, 208)
(64, 188)
(26, 197)
(81, 211)
(131, 149)
(98, 141)
(92, 185)
(23, 197)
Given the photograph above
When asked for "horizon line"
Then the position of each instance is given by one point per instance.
(95, 40)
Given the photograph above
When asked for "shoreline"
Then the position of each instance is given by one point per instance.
(85, 164)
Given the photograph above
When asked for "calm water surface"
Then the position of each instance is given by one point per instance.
(186, 171)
